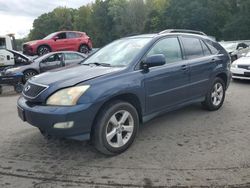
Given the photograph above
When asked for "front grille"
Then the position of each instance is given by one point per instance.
(32, 90)
(247, 67)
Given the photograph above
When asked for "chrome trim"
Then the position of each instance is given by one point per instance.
(46, 87)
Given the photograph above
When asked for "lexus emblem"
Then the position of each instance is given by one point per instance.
(27, 88)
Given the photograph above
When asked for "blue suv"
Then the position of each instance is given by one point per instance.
(124, 84)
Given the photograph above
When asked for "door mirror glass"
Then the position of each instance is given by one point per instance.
(154, 60)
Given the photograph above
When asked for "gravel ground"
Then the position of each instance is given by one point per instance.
(188, 147)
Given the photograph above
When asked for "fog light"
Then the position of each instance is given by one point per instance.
(64, 125)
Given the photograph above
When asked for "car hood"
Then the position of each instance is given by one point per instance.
(20, 54)
(33, 42)
(72, 76)
(243, 61)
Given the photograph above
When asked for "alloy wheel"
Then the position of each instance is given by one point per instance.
(217, 94)
(119, 129)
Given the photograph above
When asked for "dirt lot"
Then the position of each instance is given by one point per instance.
(188, 147)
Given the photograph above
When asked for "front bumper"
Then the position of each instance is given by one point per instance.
(45, 117)
(29, 50)
(239, 73)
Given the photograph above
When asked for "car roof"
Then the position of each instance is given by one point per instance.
(58, 52)
(162, 34)
(69, 31)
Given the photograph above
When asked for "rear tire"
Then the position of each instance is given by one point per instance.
(215, 96)
(84, 49)
(115, 128)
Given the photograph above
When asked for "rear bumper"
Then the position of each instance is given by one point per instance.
(45, 117)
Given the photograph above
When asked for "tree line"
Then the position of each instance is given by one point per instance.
(106, 20)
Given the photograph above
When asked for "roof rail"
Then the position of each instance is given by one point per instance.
(182, 31)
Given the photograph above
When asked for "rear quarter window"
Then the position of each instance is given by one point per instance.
(214, 48)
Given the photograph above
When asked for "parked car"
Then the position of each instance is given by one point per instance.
(14, 80)
(236, 49)
(52, 60)
(241, 68)
(59, 41)
(124, 84)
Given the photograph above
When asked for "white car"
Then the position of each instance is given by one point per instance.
(241, 68)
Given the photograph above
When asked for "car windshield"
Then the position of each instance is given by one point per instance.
(119, 53)
(50, 36)
(230, 47)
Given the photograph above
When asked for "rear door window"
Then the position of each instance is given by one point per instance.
(72, 56)
(193, 48)
(71, 35)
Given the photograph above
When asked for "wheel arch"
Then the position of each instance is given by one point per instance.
(126, 97)
(224, 77)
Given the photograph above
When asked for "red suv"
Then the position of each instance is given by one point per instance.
(59, 41)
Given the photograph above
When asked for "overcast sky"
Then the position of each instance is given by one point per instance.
(17, 16)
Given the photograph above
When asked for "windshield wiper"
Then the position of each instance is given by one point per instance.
(98, 64)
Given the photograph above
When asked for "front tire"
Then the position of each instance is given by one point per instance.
(215, 96)
(28, 74)
(115, 128)
(18, 88)
(43, 50)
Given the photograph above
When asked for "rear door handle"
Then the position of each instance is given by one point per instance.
(184, 67)
(213, 60)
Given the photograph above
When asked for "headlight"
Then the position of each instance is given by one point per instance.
(13, 69)
(68, 96)
(234, 65)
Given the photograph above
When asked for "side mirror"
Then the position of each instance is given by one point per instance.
(55, 38)
(153, 61)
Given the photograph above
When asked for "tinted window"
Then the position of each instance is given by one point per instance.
(2, 43)
(169, 47)
(205, 49)
(54, 57)
(212, 47)
(61, 36)
(192, 47)
(71, 35)
(72, 56)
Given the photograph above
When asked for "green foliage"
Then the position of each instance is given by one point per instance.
(106, 20)
(60, 18)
